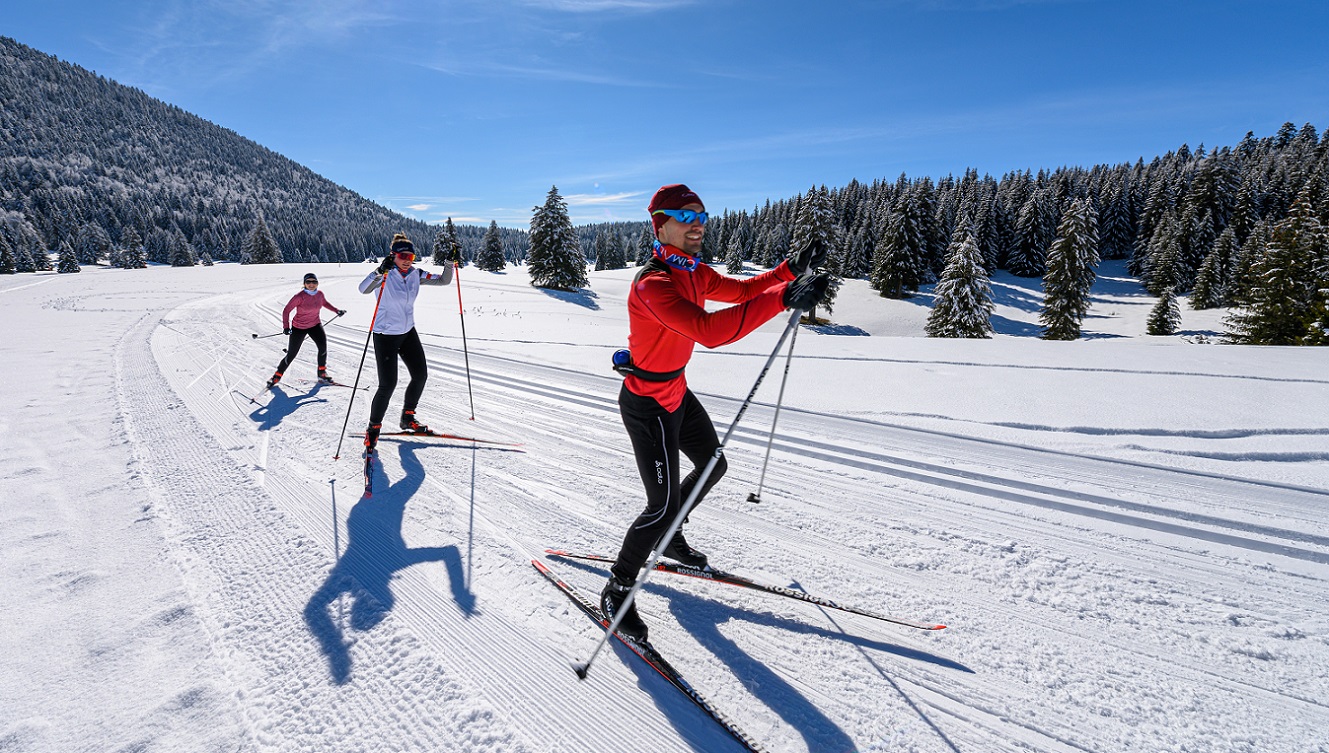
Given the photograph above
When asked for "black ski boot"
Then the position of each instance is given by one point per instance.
(408, 423)
(611, 599)
(679, 551)
(323, 376)
(371, 437)
(276, 377)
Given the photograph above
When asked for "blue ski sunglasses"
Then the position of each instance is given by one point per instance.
(685, 216)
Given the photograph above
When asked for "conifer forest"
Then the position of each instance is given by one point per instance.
(95, 172)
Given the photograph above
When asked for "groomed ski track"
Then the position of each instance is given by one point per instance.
(414, 621)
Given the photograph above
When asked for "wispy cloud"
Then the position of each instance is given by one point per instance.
(618, 199)
(550, 72)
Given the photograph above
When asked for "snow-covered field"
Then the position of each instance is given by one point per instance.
(1126, 535)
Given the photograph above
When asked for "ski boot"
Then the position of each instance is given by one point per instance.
(323, 376)
(371, 438)
(611, 602)
(276, 377)
(408, 423)
(679, 551)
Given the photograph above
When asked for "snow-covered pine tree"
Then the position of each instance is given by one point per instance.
(1029, 258)
(602, 252)
(1071, 261)
(645, 245)
(23, 261)
(182, 255)
(7, 264)
(556, 260)
(1280, 305)
(41, 260)
(733, 256)
(491, 257)
(132, 255)
(1165, 316)
(68, 259)
(452, 245)
(92, 243)
(439, 251)
(205, 259)
(896, 259)
(963, 297)
(259, 246)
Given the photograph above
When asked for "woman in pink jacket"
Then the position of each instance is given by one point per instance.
(308, 305)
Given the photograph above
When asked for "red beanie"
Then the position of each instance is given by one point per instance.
(675, 196)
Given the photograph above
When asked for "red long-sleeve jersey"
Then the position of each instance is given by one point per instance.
(667, 316)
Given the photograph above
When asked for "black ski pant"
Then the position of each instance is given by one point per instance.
(387, 349)
(658, 437)
(314, 333)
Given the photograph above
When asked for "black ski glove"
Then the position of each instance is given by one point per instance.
(807, 291)
(341, 312)
(809, 257)
(286, 331)
(386, 265)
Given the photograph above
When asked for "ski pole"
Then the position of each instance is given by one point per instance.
(456, 270)
(755, 497)
(257, 336)
(356, 387)
(583, 668)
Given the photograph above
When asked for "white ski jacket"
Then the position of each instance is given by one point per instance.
(396, 309)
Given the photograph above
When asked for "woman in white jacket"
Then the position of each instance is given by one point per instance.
(395, 336)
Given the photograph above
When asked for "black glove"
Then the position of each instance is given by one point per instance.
(341, 312)
(807, 291)
(386, 265)
(456, 256)
(286, 331)
(809, 257)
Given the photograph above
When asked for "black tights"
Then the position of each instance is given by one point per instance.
(658, 437)
(387, 348)
(315, 333)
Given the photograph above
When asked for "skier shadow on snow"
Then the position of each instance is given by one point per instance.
(584, 298)
(282, 405)
(701, 618)
(374, 552)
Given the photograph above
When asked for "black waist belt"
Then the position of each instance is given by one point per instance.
(650, 376)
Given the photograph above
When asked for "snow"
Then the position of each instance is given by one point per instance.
(1126, 534)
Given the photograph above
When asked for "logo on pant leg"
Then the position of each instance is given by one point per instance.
(659, 474)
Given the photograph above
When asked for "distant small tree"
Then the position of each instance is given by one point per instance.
(23, 261)
(1070, 272)
(1165, 317)
(68, 259)
(7, 265)
(92, 244)
(963, 306)
(556, 260)
(491, 258)
(205, 259)
(41, 260)
(132, 255)
(182, 255)
(447, 247)
(260, 247)
(645, 245)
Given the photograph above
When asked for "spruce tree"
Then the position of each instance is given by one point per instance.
(963, 298)
(7, 264)
(68, 259)
(491, 257)
(132, 256)
(260, 247)
(1280, 306)
(645, 245)
(182, 255)
(23, 261)
(451, 246)
(1165, 317)
(1029, 258)
(92, 243)
(1070, 276)
(895, 272)
(439, 251)
(205, 259)
(555, 260)
(602, 252)
(734, 257)
(41, 260)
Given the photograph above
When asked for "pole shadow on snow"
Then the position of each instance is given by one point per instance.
(374, 552)
(702, 617)
(282, 405)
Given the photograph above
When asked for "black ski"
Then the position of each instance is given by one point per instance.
(720, 576)
(369, 472)
(440, 435)
(648, 654)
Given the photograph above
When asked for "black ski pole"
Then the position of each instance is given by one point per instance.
(456, 271)
(583, 668)
(755, 497)
(356, 387)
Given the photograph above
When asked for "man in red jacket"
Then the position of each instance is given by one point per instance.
(667, 316)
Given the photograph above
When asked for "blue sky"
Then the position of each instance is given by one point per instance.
(472, 110)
